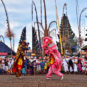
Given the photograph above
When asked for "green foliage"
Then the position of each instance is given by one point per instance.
(85, 39)
(23, 35)
(35, 43)
(22, 45)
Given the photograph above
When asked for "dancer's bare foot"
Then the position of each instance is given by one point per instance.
(47, 78)
(62, 78)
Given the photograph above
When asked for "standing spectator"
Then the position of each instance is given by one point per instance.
(28, 66)
(3, 65)
(84, 66)
(31, 67)
(75, 61)
(34, 66)
(79, 66)
(26, 63)
(42, 64)
(38, 67)
(70, 65)
(6, 65)
(24, 68)
(65, 64)
(12, 62)
(9, 66)
(75, 68)
(45, 67)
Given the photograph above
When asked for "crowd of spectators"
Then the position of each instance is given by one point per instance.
(73, 65)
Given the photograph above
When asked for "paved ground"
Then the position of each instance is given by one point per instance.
(40, 81)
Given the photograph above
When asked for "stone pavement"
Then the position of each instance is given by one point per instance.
(40, 81)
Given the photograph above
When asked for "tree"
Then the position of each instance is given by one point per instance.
(23, 35)
(23, 46)
(35, 43)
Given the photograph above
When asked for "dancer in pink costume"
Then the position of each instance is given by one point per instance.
(51, 50)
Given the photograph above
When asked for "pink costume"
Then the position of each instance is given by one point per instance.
(52, 51)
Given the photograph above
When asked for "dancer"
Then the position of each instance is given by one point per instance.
(51, 50)
(19, 61)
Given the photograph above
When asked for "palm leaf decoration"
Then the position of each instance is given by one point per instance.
(9, 34)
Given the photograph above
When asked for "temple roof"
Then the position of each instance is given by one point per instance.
(5, 50)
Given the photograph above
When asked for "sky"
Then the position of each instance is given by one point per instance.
(19, 13)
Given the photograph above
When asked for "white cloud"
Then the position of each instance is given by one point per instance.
(2, 31)
(14, 24)
(14, 1)
(29, 33)
(15, 10)
(18, 34)
(19, 12)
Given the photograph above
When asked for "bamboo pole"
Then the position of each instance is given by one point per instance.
(57, 18)
(8, 25)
